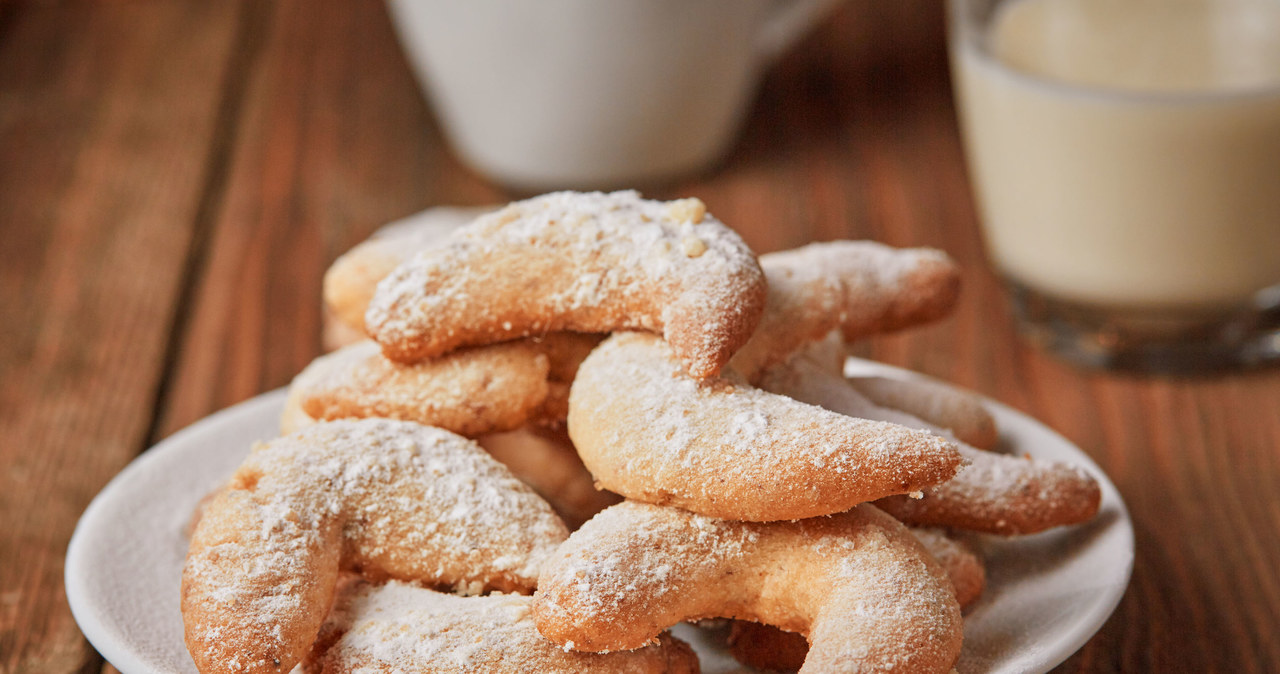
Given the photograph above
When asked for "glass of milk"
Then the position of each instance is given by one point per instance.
(1125, 156)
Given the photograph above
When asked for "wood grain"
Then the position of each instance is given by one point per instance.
(333, 141)
(175, 176)
(106, 121)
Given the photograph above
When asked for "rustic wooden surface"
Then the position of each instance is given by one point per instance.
(175, 175)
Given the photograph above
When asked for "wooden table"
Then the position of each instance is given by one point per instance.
(175, 176)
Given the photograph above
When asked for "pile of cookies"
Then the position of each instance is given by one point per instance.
(585, 418)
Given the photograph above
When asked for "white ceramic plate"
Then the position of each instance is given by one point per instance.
(1046, 595)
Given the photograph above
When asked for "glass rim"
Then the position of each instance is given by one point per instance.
(966, 32)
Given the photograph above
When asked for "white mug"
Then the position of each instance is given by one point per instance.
(554, 94)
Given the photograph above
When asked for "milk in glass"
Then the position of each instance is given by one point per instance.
(1126, 153)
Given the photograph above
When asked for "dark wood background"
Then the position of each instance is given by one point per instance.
(175, 176)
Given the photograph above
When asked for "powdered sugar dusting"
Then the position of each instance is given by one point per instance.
(391, 499)
(857, 582)
(941, 405)
(406, 628)
(856, 287)
(962, 563)
(994, 493)
(1007, 495)
(651, 432)
(350, 281)
(597, 577)
(471, 391)
(602, 261)
(865, 272)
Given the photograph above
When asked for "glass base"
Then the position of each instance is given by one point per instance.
(1157, 342)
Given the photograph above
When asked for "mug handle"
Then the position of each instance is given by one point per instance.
(790, 19)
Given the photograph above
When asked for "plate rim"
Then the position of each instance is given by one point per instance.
(89, 614)
(1093, 620)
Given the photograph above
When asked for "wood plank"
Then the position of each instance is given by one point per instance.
(106, 118)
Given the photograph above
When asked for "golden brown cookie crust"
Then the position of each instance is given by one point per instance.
(1003, 495)
(350, 281)
(993, 493)
(398, 627)
(546, 460)
(937, 403)
(578, 262)
(470, 392)
(856, 288)
(864, 591)
(389, 499)
(769, 648)
(488, 389)
(650, 432)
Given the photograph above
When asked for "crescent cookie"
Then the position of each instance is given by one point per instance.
(939, 404)
(398, 627)
(546, 460)
(993, 493)
(769, 648)
(537, 455)
(647, 430)
(857, 584)
(1003, 495)
(565, 352)
(473, 391)
(350, 281)
(470, 392)
(578, 262)
(964, 566)
(386, 498)
(857, 288)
